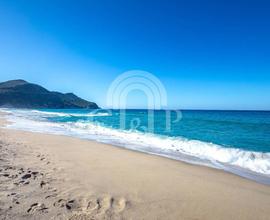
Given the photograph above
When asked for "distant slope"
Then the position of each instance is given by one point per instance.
(21, 94)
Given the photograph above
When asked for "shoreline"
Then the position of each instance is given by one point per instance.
(108, 182)
(198, 160)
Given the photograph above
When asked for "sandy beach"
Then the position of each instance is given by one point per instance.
(58, 177)
(134, 110)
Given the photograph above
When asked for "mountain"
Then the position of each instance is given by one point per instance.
(22, 94)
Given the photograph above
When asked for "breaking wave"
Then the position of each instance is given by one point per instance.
(246, 163)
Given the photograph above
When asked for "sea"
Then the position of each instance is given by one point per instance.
(234, 141)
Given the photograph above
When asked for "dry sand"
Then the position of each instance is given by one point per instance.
(56, 177)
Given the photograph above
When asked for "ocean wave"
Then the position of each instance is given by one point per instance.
(173, 147)
(61, 114)
(254, 161)
(39, 113)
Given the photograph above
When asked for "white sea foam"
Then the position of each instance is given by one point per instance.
(254, 161)
(174, 147)
(61, 114)
(38, 113)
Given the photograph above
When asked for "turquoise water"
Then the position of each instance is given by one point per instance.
(248, 130)
(236, 141)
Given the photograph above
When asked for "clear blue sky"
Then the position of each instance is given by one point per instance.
(208, 54)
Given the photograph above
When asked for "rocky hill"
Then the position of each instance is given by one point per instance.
(22, 94)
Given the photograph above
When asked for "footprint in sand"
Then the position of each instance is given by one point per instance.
(51, 196)
(60, 203)
(104, 203)
(119, 205)
(71, 204)
(107, 203)
(92, 205)
(37, 207)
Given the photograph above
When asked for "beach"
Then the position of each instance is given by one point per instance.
(134, 110)
(46, 176)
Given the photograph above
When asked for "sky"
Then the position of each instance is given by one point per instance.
(207, 54)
